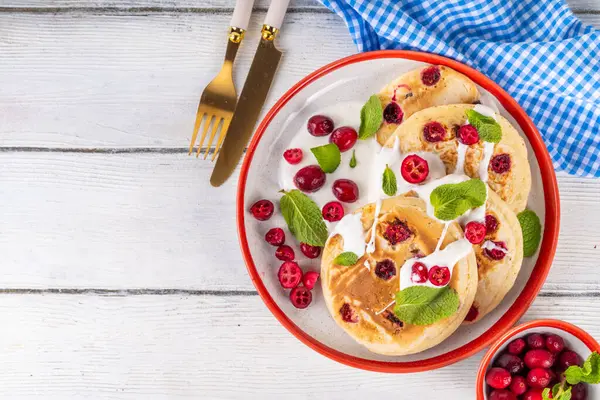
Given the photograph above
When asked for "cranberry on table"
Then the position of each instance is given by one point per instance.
(539, 358)
(289, 274)
(275, 237)
(345, 190)
(498, 378)
(555, 344)
(309, 179)
(467, 135)
(309, 279)
(511, 363)
(293, 156)
(439, 276)
(430, 75)
(566, 359)
(533, 394)
(333, 211)
(414, 169)
(285, 253)
(502, 394)
(344, 138)
(538, 378)
(419, 273)
(579, 392)
(300, 297)
(518, 385)
(392, 113)
(319, 125)
(434, 132)
(310, 251)
(475, 232)
(516, 346)
(262, 210)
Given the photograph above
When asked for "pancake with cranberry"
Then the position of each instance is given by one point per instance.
(499, 257)
(421, 88)
(436, 129)
(360, 296)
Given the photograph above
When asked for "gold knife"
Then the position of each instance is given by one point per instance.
(257, 85)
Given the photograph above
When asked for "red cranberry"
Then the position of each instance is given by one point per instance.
(275, 237)
(475, 232)
(439, 276)
(472, 314)
(566, 359)
(348, 314)
(309, 279)
(396, 232)
(414, 169)
(385, 269)
(554, 343)
(309, 179)
(300, 297)
(345, 190)
(536, 341)
(538, 378)
(434, 132)
(285, 253)
(533, 394)
(310, 251)
(289, 274)
(500, 163)
(502, 395)
(491, 223)
(497, 254)
(393, 113)
(319, 125)
(262, 210)
(539, 358)
(516, 346)
(511, 363)
(498, 378)
(579, 392)
(333, 211)
(518, 385)
(431, 75)
(344, 138)
(419, 273)
(293, 156)
(467, 134)
(390, 316)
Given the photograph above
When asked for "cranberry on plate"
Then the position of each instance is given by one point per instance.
(262, 210)
(439, 276)
(310, 251)
(293, 156)
(392, 113)
(300, 297)
(309, 279)
(431, 75)
(498, 378)
(419, 273)
(333, 211)
(475, 232)
(289, 274)
(285, 253)
(434, 132)
(319, 125)
(309, 179)
(414, 169)
(275, 237)
(345, 190)
(468, 135)
(344, 138)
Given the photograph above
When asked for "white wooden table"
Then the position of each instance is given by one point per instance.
(121, 275)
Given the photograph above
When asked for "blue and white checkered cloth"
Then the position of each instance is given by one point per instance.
(537, 50)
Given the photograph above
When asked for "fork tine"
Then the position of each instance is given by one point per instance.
(199, 117)
(212, 135)
(207, 121)
(221, 137)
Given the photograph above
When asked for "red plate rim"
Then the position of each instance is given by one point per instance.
(574, 330)
(538, 275)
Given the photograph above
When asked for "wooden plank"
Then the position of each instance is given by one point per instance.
(71, 80)
(157, 347)
(152, 221)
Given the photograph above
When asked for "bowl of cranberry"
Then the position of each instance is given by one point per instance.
(539, 360)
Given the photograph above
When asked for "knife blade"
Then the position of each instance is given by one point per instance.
(253, 96)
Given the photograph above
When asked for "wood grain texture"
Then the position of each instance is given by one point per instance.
(199, 346)
(151, 221)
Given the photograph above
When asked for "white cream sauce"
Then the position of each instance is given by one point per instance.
(351, 230)
(489, 245)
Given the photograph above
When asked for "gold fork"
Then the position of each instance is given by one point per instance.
(219, 98)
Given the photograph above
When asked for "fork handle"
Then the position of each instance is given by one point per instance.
(241, 14)
(276, 12)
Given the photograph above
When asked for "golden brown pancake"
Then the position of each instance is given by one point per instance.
(356, 295)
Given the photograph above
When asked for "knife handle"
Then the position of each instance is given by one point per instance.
(276, 13)
(240, 19)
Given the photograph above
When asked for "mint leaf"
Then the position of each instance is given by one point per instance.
(389, 185)
(452, 200)
(353, 159)
(558, 392)
(546, 394)
(371, 117)
(346, 259)
(423, 305)
(303, 218)
(328, 156)
(489, 130)
(532, 231)
(589, 373)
